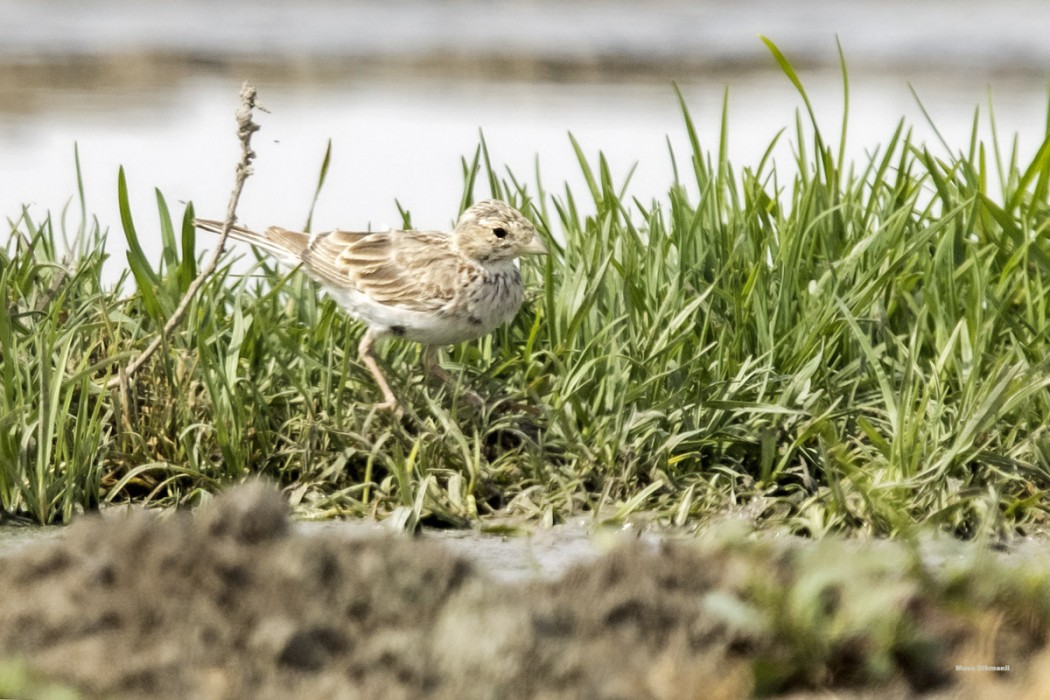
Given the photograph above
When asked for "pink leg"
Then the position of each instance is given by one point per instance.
(365, 348)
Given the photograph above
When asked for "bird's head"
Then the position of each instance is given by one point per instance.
(493, 231)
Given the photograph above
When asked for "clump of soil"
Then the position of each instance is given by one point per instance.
(231, 603)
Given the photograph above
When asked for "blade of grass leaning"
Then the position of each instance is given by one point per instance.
(325, 163)
(145, 276)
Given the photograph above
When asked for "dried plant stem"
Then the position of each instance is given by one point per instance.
(245, 128)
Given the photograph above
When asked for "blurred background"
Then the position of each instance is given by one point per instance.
(403, 87)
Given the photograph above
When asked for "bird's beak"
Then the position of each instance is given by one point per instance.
(535, 247)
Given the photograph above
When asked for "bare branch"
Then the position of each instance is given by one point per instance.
(245, 128)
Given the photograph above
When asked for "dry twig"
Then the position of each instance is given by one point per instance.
(245, 128)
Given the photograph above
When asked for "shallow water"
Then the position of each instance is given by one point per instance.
(941, 34)
(541, 553)
(538, 553)
(15, 538)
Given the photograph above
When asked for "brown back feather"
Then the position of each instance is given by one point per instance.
(415, 270)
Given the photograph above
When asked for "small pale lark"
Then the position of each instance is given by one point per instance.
(425, 286)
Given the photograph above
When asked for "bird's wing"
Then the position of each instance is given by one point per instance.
(414, 270)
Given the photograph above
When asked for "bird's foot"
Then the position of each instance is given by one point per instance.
(391, 405)
(474, 399)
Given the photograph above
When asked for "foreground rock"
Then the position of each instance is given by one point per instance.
(231, 604)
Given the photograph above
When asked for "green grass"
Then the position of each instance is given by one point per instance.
(854, 346)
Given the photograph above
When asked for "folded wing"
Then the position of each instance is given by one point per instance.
(413, 270)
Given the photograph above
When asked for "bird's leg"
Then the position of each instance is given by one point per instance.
(431, 366)
(365, 348)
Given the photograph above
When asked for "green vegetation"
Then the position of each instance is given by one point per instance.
(862, 346)
(838, 614)
(17, 681)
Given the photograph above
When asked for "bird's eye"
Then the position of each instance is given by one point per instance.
(500, 232)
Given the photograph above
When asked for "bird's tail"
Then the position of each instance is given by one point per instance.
(277, 246)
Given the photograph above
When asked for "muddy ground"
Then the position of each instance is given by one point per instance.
(231, 603)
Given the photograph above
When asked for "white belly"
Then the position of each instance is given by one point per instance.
(471, 316)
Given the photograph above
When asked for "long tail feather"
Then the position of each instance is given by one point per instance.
(276, 247)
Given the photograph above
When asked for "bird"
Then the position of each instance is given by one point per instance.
(428, 287)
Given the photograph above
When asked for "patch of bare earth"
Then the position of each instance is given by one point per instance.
(230, 603)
